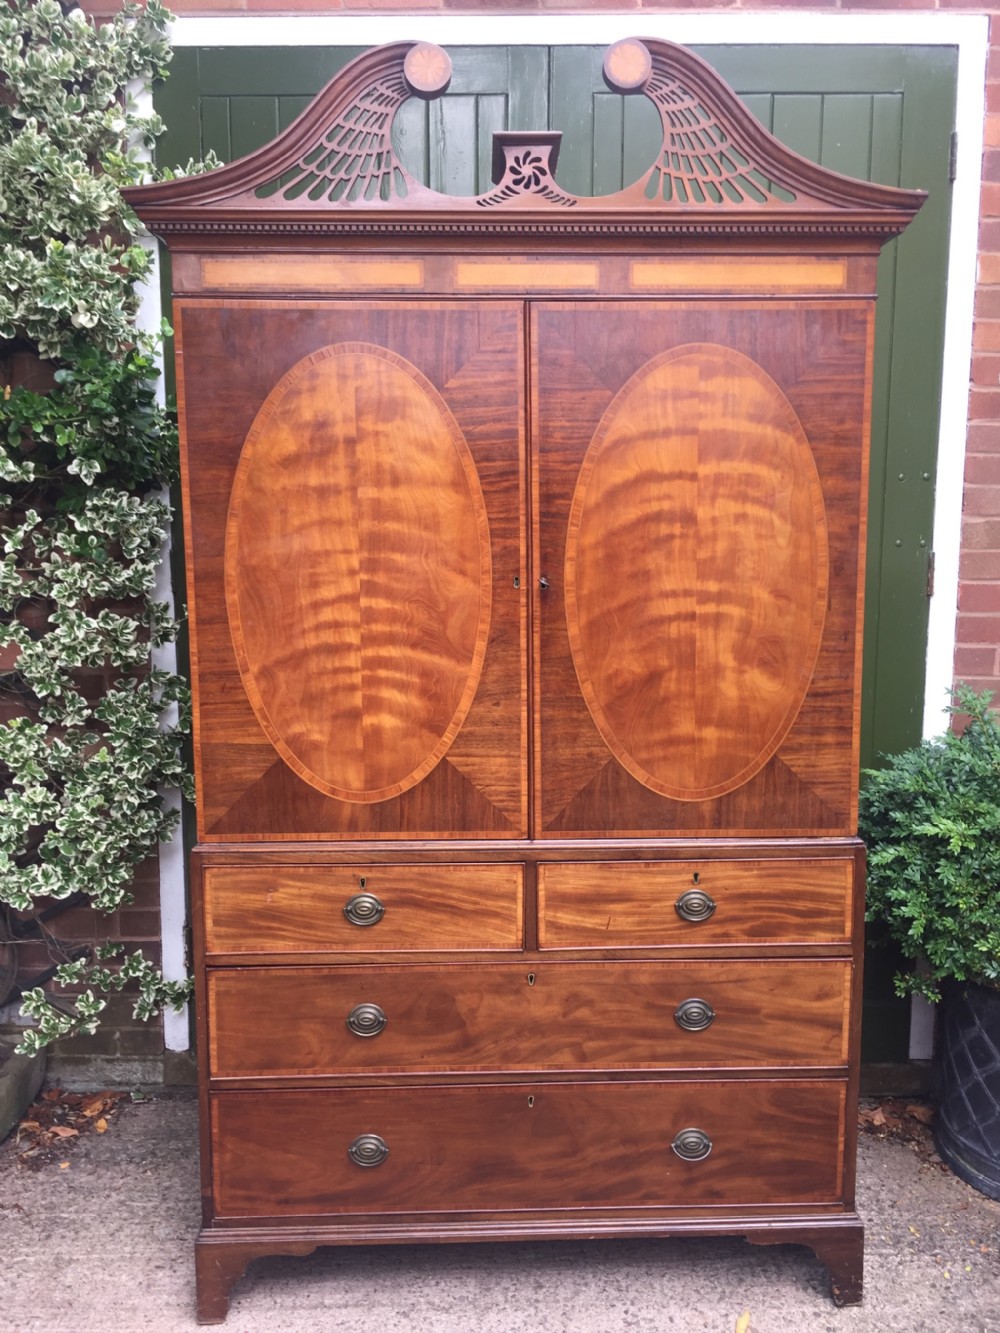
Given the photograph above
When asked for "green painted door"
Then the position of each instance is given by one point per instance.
(881, 113)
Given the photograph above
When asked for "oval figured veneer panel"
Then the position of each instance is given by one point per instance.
(358, 572)
(696, 572)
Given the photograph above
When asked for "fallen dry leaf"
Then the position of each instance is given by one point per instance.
(58, 1116)
(743, 1322)
(64, 1166)
(100, 1103)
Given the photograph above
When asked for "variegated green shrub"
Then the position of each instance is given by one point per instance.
(93, 736)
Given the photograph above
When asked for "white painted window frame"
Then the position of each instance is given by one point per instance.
(969, 33)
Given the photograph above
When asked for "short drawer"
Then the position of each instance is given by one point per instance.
(357, 908)
(554, 1016)
(622, 904)
(516, 1146)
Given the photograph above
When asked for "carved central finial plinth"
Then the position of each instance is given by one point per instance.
(524, 165)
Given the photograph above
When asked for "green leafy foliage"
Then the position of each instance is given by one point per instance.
(82, 1014)
(93, 733)
(69, 140)
(101, 420)
(931, 820)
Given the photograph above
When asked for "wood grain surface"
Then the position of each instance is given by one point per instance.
(295, 909)
(527, 1016)
(526, 1146)
(370, 573)
(632, 903)
(358, 572)
(695, 643)
(713, 689)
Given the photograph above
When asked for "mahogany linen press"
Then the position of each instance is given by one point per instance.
(525, 539)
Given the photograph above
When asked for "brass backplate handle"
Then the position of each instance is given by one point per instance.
(694, 905)
(694, 1015)
(364, 909)
(368, 1150)
(692, 1145)
(366, 1020)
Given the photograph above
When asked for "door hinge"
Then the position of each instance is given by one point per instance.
(930, 573)
(953, 157)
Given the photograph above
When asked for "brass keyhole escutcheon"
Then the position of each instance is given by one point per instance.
(531, 1101)
(531, 978)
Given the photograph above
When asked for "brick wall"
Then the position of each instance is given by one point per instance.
(124, 1051)
(977, 651)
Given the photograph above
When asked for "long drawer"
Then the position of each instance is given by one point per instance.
(623, 904)
(523, 1016)
(527, 1145)
(358, 908)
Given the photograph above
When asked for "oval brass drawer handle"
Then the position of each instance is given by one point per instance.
(368, 1150)
(366, 1020)
(364, 909)
(694, 1015)
(692, 1145)
(694, 905)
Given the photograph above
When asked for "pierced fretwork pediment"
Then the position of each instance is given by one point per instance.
(335, 169)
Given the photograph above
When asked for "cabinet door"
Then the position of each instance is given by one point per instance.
(355, 528)
(699, 521)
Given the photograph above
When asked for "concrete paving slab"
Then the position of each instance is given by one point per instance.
(106, 1242)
